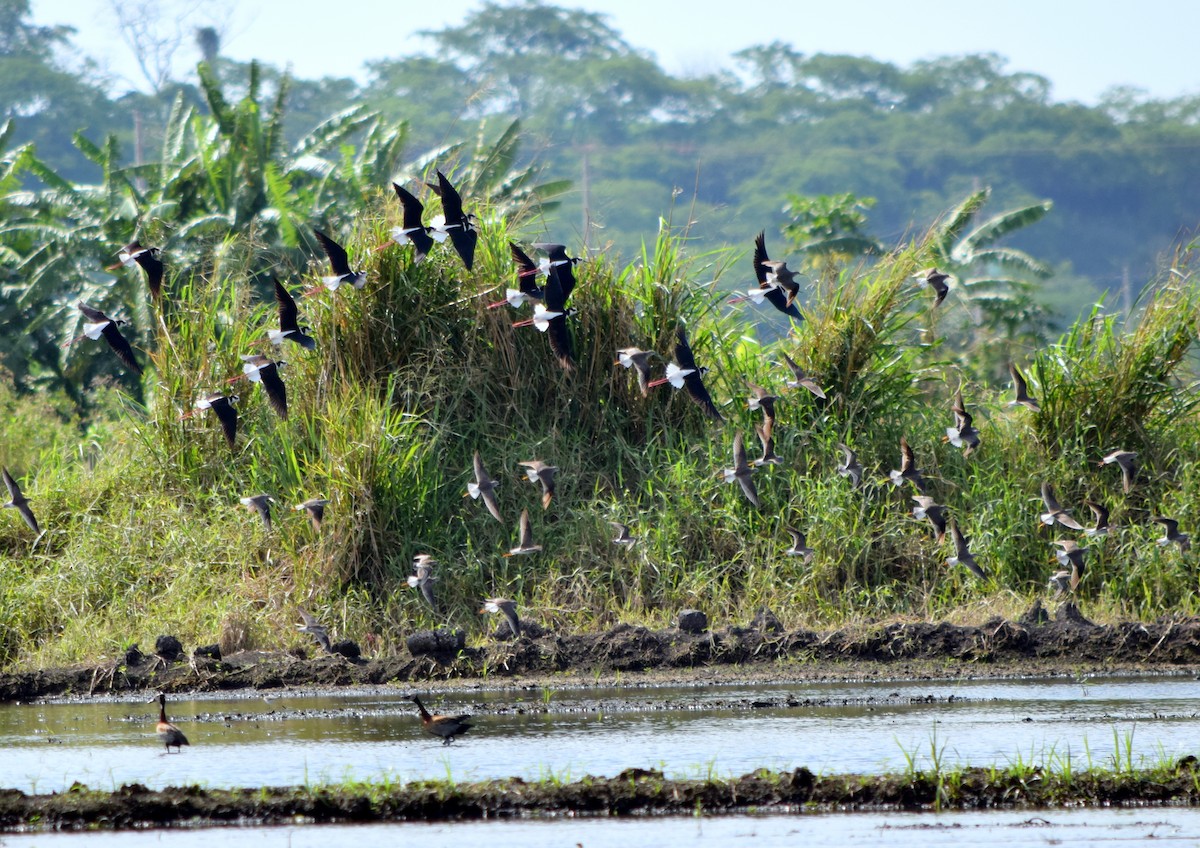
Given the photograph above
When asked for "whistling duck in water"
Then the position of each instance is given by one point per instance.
(446, 727)
(168, 734)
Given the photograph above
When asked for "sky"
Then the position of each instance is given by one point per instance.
(1084, 47)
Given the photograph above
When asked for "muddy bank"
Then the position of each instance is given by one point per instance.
(1035, 644)
(634, 792)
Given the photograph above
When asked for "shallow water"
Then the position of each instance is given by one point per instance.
(690, 731)
(896, 830)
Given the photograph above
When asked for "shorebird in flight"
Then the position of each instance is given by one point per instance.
(222, 406)
(937, 281)
(1054, 511)
(18, 501)
(962, 552)
(741, 471)
(908, 468)
(411, 229)
(1022, 390)
(639, 361)
(506, 608)
(289, 321)
(934, 512)
(799, 546)
(315, 629)
(147, 258)
(316, 511)
(850, 466)
(265, 371)
(963, 434)
(623, 537)
(98, 324)
(423, 578)
(525, 543)
(539, 472)
(683, 373)
(260, 504)
(484, 487)
(1127, 462)
(550, 317)
(339, 263)
(527, 290)
(1171, 533)
(453, 222)
(801, 380)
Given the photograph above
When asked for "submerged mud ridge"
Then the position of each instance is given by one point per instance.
(633, 792)
(1033, 644)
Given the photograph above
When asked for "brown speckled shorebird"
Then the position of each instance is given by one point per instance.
(799, 545)
(1055, 512)
(801, 380)
(1171, 533)
(962, 552)
(850, 466)
(741, 471)
(1127, 462)
(963, 434)
(1071, 555)
(525, 543)
(624, 537)
(539, 472)
(908, 468)
(1022, 390)
(484, 487)
(260, 504)
(423, 578)
(18, 501)
(506, 608)
(316, 511)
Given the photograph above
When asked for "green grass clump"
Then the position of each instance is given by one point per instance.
(413, 374)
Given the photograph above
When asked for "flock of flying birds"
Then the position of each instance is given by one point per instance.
(775, 285)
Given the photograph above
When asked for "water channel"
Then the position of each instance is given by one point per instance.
(685, 731)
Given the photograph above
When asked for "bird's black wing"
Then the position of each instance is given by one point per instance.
(464, 238)
(451, 201)
(92, 314)
(120, 346)
(339, 261)
(760, 256)
(683, 351)
(561, 266)
(417, 233)
(227, 415)
(696, 391)
(153, 266)
(559, 335)
(780, 300)
(273, 385)
(289, 314)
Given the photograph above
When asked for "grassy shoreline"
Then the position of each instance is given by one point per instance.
(634, 792)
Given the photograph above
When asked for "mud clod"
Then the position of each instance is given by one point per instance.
(692, 621)
(168, 648)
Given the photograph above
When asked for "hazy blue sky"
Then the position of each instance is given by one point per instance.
(1083, 46)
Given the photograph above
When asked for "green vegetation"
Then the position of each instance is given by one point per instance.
(633, 792)
(413, 374)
